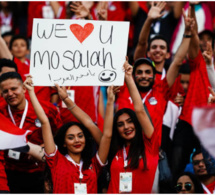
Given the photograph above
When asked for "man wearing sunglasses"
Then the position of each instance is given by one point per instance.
(207, 180)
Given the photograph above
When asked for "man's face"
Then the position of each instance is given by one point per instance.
(158, 51)
(199, 165)
(203, 41)
(13, 91)
(19, 48)
(144, 77)
(185, 79)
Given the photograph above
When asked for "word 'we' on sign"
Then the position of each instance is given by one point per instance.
(78, 52)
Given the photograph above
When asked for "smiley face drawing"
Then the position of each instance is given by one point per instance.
(107, 76)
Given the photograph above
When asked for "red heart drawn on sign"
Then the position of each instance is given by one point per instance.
(81, 33)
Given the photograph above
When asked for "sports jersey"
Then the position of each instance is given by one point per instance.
(86, 98)
(210, 187)
(155, 101)
(142, 180)
(198, 93)
(31, 123)
(3, 176)
(23, 67)
(65, 173)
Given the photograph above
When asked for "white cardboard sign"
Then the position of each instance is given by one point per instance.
(78, 52)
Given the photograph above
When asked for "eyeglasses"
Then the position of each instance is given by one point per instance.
(196, 162)
(179, 187)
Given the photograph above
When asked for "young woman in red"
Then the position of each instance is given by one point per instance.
(73, 168)
(134, 146)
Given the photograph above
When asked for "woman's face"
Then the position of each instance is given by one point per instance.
(74, 140)
(126, 127)
(185, 185)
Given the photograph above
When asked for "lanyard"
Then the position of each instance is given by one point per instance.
(125, 157)
(76, 164)
(207, 190)
(23, 115)
(144, 99)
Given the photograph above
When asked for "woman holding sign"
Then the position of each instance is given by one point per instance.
(72, 166)
(134, 146)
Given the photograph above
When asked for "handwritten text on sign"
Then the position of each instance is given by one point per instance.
(78, 52)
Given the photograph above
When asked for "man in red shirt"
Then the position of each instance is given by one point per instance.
(208, 181)
(25, 174)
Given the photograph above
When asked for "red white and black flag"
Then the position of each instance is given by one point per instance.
(11, 136)
(203, 121)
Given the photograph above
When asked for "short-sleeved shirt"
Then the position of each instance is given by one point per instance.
(142, 180)
(198, 93)
(31, 123)
(65, 173)
(3, 176)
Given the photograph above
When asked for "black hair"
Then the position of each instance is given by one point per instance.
(141, 61)
(197, 184)
(198, 151)
(185, 68)
(10, 75)
(137, 147)
(156, 37)
(7, 63)
(87, 152)
(8, 33)
(15, 37)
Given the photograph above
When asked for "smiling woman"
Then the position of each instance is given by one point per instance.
(134, 146)
(70, 158)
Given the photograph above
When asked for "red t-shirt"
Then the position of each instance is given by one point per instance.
(33, 124)
(155, 102)
(198, 93)
(211, 187)
(23, 67)
(142, 180)
(86, 98)
(3, 176)
(65, 173)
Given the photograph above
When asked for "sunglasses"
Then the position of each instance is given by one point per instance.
(196, 162)
(179, 187)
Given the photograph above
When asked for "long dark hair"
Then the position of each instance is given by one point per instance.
(87, 152)
(197, 184)
(137, 147)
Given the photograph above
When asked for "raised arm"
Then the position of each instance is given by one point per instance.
(79, 114)
(142, 116)
(45, 125)
(208, 55)
(182, 50)
(4, 51)
(108, 125)
(80, 10)
(194, 43)
(153, 14)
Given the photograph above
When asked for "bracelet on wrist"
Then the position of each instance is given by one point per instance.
(187, 36)
(65, 98)
(71, 107)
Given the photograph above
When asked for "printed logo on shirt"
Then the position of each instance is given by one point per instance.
(37, 123)
(153, 101)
